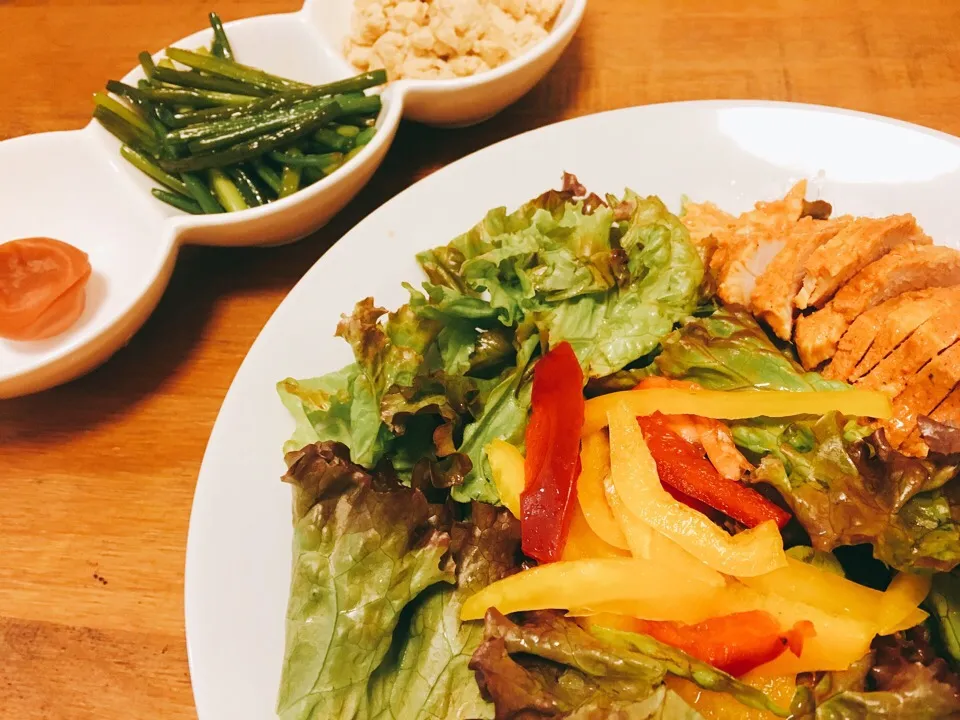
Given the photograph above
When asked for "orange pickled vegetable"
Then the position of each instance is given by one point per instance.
(42, 287)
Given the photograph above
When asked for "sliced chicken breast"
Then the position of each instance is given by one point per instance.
(775, 289)
(766, 218)
(875, 334)
(913, 310)
(904, 268)
(923, 392)
(893, 373)
(705, 219)
(737, 280)
(947, 412)
(860, 243)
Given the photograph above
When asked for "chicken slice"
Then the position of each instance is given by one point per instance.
(705, 219)
(947, 412)
(935, 334)
(773, 217)
(873, 335)
(737, 280)
(922, 393)
(860, 243)
(905, 268)
(745, 250)
(913, 311)
(772, 298)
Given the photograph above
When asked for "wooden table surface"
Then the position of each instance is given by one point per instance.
(96, 478)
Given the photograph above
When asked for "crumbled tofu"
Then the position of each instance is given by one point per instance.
(444, 38)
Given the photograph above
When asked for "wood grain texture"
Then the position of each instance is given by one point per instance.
(97, 477)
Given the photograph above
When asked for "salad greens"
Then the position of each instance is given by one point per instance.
(448, 372)
(728, 350)
(396, 521)
(379, 576)
(900, 679)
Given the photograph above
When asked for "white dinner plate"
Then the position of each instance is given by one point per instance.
(733, 153)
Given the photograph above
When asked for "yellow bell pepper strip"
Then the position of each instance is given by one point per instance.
(634, 472)
(585, 583)
(899, 605)
(594, 468)
(506, 464)
(584, 544)
(645, 542)
(839, 641)
(915, 617)
(828, 591)
(838, 596)
(735, 405)
(837, 644)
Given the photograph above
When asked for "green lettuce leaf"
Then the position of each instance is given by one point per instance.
(387, 354)
(321, 407)
(558, 262)
(426, 675)
(900, 679)
(504, 416)
(380, 576)
(730, 351)
(664, 276)
(364, 548)
(547, 665)
(847, 490)
(944, 605)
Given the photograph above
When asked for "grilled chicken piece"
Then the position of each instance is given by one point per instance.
(705, 219)
(947, 412)
(923, 392)
(937, 333)
(905, 268)
(737, 281)
(873, 335)
(916, 308)
(860, 243)
(745, 250)
(772, 298)
(766, 217)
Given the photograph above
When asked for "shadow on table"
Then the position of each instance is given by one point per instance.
(203, 276)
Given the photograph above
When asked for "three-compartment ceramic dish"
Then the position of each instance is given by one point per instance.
(74, 185)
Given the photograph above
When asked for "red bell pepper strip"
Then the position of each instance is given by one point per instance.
(682, 466)
(691, 502)
(553, 454)
(735, 643)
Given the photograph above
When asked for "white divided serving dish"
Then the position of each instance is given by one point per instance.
(75, 187)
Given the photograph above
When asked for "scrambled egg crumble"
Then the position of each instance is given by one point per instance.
(433, 39)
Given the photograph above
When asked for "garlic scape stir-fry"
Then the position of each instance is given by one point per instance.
(582, 473)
